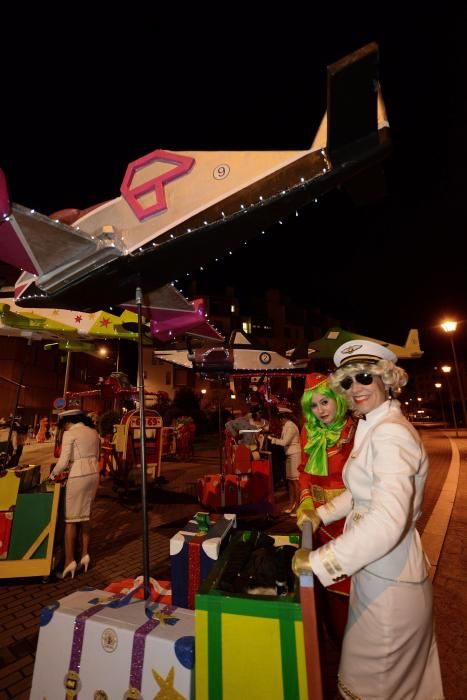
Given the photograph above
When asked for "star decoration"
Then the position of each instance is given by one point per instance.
(105, 322)
(78, 319)
(167, 691)
(164, 618)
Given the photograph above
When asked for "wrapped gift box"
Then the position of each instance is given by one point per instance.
(9, 486)
(193, 553)
(29, 476)
(261, 483)
(248, 645)
(242, 489)
(6, 521)
(32, 515)
(89, 650)
(210, 495)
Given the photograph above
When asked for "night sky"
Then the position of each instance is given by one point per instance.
(89, 100)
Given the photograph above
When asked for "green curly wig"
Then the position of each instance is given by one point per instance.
(319, 435)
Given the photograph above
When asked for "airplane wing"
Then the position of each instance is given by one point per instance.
(174, 357)
(180, 210)
(167, 308)
(178, 316)
(325, 347)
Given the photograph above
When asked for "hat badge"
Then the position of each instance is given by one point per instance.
(351, 349)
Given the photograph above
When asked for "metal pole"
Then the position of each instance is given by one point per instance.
(67, 373)
(452, 405)
(142, 427)
(459, 382)
(219, 417)
(310, 624)
(18, 390)
(221, 461)
(443, 414)
(117, 368)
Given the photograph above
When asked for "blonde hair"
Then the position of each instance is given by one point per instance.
(393, 377)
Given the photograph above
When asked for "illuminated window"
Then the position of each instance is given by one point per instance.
(246, 326)
(232, 308)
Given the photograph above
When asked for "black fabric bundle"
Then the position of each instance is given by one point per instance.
(257, 567)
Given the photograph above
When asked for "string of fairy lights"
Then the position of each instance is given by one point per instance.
(302, 183)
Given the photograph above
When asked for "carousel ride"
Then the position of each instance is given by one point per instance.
(166, 222)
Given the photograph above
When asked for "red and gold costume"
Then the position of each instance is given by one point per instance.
(321, 489)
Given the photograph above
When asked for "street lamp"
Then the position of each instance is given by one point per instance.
(447, 369)
(450, 327)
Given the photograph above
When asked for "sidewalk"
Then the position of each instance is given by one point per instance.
(450, 591)
(116, 551)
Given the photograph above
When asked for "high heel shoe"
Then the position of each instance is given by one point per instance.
(70, 569)
(290, 510)
(84, 563)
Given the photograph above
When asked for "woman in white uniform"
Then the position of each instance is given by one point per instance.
(389, 650)
(80, 453)
(290, 441)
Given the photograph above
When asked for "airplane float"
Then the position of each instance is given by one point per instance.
(240, 357)
(180, 210)
(325, 347)
(167, 311)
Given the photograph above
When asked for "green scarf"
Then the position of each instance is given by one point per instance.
(321, 437)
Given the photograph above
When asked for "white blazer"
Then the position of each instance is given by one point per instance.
(385, 479)
(80, 451)
(289, 439)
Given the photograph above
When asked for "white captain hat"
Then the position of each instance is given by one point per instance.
(70, 412)
(357, 350)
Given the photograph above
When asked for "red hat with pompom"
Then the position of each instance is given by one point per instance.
(314, 380)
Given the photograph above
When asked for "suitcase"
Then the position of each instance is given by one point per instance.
(193, 553)
(88, 649)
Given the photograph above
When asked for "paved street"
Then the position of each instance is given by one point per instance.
(117, 549)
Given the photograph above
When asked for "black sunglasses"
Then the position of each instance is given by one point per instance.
(364, 378)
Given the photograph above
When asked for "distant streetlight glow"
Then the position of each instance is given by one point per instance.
(450, 328)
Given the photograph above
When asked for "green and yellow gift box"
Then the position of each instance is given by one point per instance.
(248, 646)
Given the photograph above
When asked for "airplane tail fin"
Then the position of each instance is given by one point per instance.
(299, 353)
(238, 338)
(412, 344)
